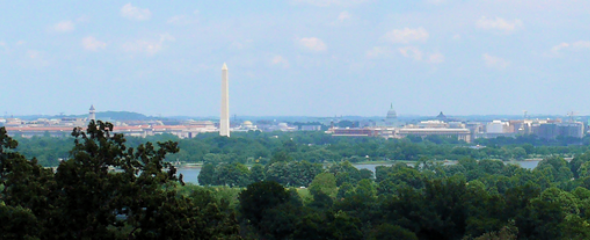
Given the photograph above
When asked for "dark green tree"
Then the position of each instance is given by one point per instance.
(321, 201)
(392, 232)
(541, 220)
(207, 175)
(257, 173)
(281, 156)
(27, 191)
(325, 183)
(312, 227)
(344, 227)
(233, 175)
(84, 199)
(139, 202)
(577, 162)
(366, 174)
(345, 191)
(260, 197)
(18, 223)
(280, 221)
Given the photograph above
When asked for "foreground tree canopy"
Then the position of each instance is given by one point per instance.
(85, 200)
(105, 189)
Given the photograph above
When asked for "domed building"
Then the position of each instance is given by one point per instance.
(441, 117)
(391, 117)
(247, 126)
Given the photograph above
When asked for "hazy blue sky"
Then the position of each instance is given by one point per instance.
(296, 57)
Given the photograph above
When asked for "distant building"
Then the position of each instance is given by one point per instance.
(521, 127)
(201, 124)
(437, 128)
(554, 130)
(285, 127)
(72, 121)
(459, 133)
(249, 126)
(548, 131)
(391, 118)
(354, 132)
(572, 129)
(310, 127)
(441, 117)
(134, 131)
(13, 122)
(390, 121)
(246, 126)
(430, 124)
(29, 132)
(92, 113)
(476, 129)
(63, 128)
(497, 126)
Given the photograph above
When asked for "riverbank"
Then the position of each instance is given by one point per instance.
(191, 174)
(199, 165)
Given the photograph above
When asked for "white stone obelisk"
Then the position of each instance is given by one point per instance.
(224, 119)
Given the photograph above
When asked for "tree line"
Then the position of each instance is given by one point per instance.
(282, 169)
(319, 147)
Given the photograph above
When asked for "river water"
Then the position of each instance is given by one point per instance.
(524, 164)
(190, 175)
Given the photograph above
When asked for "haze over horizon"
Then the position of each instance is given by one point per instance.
(252, 117)
(296, 57)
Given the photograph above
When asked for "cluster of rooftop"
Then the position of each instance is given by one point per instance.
(442, 125)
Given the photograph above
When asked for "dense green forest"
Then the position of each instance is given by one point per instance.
(484, 199)
(319, 147)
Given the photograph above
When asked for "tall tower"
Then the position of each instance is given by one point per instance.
(92, 113)
(224, 119)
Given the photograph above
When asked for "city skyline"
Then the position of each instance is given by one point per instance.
(296, 57)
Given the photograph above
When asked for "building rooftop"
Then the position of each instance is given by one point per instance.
(434, 130)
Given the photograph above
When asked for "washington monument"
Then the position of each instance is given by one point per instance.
(224, 119)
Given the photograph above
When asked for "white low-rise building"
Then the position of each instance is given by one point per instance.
(497, 126)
